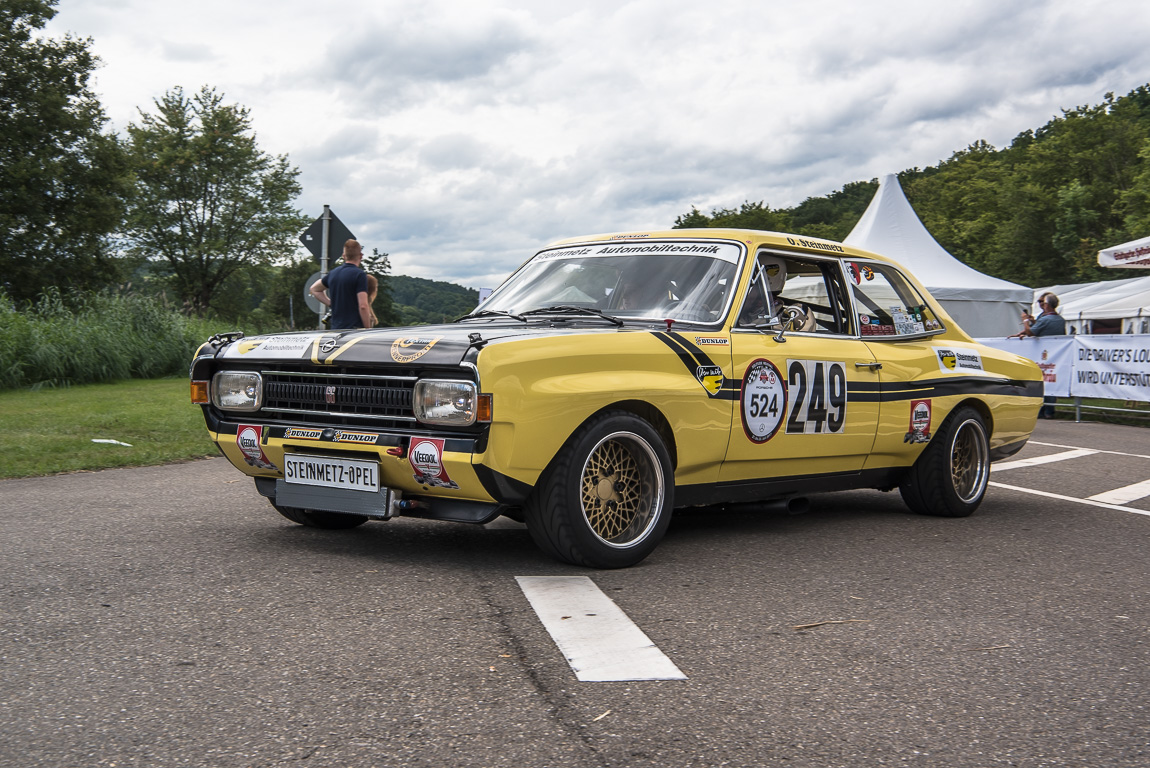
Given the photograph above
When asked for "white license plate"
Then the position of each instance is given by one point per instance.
(330, 472)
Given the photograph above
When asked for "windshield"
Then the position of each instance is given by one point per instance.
(688, 281)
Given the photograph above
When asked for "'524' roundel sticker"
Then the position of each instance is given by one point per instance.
(764, 401)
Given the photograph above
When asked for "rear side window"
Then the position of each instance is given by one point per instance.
(886, 302)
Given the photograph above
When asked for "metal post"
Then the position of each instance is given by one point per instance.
(325, 244)
(1077, 409)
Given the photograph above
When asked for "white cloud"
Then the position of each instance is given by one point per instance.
(460, 135)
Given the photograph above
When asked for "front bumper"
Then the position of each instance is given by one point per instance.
(421, 473)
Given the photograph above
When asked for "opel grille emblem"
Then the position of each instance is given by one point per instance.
(329, 395)
(328, 346)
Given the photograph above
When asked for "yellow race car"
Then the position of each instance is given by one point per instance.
(613, 378)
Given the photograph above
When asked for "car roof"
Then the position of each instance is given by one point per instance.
(752, 237)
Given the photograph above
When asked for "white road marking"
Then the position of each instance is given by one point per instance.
(598, 640)
(1088, 502)
(1035, 461)
(1124, 494)
(1075, 447)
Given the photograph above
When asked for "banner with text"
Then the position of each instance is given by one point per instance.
(1115, 367)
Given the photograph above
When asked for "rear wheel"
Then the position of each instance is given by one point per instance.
(606, 500)
(314, 518)
(950, 477)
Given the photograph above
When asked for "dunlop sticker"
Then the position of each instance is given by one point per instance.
(330, 434)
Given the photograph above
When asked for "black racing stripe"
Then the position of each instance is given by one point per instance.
(685, 349)
(694, 350)
(730, 390)
(966, 385)
(976, 386)
(684, 354)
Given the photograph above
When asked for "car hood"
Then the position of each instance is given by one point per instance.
(431, 345)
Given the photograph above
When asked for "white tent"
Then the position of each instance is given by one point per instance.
(1132, 255)
(1122, 303)
(982, 305)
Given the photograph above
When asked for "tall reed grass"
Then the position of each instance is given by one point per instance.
(95, 337)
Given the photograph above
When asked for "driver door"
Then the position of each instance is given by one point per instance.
(808, 400)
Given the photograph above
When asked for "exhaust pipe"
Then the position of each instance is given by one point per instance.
(795, 505)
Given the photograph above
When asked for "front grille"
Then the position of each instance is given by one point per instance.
(344, 399)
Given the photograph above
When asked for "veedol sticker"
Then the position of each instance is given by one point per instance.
(919, 422)
(426, 456)
(248, 438)
(763, 401)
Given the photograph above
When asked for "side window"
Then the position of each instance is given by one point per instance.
(887, 304)
(758, 308)
(813, 287)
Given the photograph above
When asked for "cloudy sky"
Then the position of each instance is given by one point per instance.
(461, 135)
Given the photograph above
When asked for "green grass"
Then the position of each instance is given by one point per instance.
(46, 431)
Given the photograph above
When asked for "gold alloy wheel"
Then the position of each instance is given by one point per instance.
(622, 489)
(969, 461)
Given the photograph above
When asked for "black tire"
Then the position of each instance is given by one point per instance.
(950, 477)
(314, 518)
(606, 499)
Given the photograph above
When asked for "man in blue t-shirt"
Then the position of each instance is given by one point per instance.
(344, 289)
(1049, 323)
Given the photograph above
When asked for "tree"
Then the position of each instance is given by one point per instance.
(420, 301)
(379, 265)
(283, 305)
(62, 179)
(208, 201)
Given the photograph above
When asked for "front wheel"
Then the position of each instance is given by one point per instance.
(950, 477)
(606, 500)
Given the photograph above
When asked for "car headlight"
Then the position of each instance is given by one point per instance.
(238, 390)
(443, 401)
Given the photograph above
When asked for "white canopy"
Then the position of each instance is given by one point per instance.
(1132, 255)
(982, 305)
(1127, 301)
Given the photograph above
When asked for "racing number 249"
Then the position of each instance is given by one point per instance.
(819, 396)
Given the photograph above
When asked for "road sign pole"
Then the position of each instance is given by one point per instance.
(325, 239)
(326, 245)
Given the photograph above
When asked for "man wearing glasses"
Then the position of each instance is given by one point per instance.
(1049, 323)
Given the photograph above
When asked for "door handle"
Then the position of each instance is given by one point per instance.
(873, 366)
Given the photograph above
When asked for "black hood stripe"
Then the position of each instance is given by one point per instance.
(691, 355)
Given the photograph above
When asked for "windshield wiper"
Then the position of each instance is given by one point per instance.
(561, 309)
(493, 313)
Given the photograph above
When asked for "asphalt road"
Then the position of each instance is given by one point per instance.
(168, 616)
